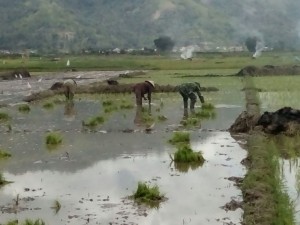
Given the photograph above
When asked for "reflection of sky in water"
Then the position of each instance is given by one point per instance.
(194, 196)
(111, 164)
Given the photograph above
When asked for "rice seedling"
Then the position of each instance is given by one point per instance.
(48, 105)
(56, 206)
(4, 117)
(185, 154)
(4, 154)
(110, 109)
(191, 122)
(148, 195)
(208, 106)
(205, 114)
(180, 138)
(162, 118)
(126, 106)
(107, 103)
(93, 121)
(33, 222)
(25, 108)
(2, 180)
(53, 138)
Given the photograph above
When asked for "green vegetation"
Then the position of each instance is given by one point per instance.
(26, 222)
(48, 105)
(161, 118)
(205, 114)
(2, 180)
(126, 105)
(149, 195)
(4, 117)
(190, 122)
(208, 106)
(185, 154)
(24, 108)
(107, 103)
(56, 206)
(180, 138)
(262, 186)
(4, 154)
(93, 121)
(53, 139)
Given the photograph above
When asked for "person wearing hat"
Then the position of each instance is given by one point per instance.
(187, 91)
(140, 89)
(69, 87)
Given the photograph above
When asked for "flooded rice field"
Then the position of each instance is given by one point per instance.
(92, 173)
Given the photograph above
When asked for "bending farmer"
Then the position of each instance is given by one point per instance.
(141, 89)
(69, 86)
(187, 92)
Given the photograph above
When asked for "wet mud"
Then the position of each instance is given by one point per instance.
(269, 70)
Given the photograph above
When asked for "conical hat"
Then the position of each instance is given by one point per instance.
(151, 82)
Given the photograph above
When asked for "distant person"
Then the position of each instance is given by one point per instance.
(140, 89)
(69, 87)
(187, 91)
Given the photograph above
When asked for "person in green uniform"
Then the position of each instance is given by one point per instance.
(187, 91)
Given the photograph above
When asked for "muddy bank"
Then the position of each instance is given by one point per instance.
(100, 88)
(285, 121)
(15, 75)
(269, 70)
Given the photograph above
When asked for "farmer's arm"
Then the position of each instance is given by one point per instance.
(199, 95)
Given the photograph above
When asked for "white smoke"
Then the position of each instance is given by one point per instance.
(187, 52)
(258, 49)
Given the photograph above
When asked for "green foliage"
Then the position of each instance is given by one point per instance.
(147, 194)
(4, 117)
(126, 105)
(53, 138)
(4, 154)
(24, 108)
(93, 121)
(190, 122)
(107, 103)
(208, 106)
(205, 114)
(161, 118)
(180, 138)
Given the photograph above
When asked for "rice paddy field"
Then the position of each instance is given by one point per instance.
(81, 162)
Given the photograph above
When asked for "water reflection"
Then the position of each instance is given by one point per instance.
(69, 111)
(143, 118)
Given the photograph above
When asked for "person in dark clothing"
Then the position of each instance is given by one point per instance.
(140, 89)
(187, 91)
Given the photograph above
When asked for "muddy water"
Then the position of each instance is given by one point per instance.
(93, 171)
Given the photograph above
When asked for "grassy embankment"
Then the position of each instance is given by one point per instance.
(265, 198)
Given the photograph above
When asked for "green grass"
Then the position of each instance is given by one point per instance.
(190, 122)
(148, 195)
(53, 138)
(208, 106)
(93, 121)
(4, 154)
(126, 105)
(205, 114)
(24, 108)
(180, 138)
(162, 118)
(107, 103)
(262, 186)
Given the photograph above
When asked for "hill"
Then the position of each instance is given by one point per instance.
(74, 25)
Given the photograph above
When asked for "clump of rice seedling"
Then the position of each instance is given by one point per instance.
(190, 122)
(185, 154)
(48, 105)
(126, 106)
(4, 117)
(53, 138)
(207, 106)
(110, 109)
(56, 206)
(4, 154)
(180, 138)
(2, 180)
(24, 108)
(93, 121)
(162, 118)
(107, 103)
(206, 114)
(148, 195)
(32, 222)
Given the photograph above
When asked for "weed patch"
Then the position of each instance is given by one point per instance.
(53, 139)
